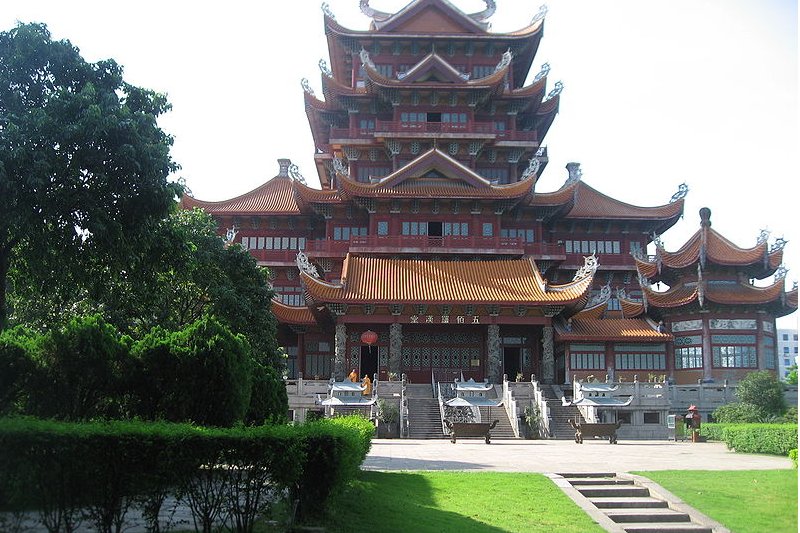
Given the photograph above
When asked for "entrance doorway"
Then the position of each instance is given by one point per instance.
(511, 362)
(369, 361)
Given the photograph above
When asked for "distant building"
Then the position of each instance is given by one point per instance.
(787, 351)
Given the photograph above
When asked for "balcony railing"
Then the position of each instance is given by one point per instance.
(431, 244)
(419, 128)
(399, 244)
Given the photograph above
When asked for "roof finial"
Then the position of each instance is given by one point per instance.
(705, 217)
(284, 165)
(575, 173)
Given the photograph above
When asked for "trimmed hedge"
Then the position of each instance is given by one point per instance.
(772, 439)
(100, 470)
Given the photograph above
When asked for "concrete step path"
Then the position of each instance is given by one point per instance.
(632, 504)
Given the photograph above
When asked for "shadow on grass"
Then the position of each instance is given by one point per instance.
(408, 506)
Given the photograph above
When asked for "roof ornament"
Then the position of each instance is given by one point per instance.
(763, 236)
(701, 286)
(575, 173)
(365, 60)
(305, 265)
(683, 190)
(481, 16)
(794, 285)
(780, 273)
(505, 60)
(602, 297)
(340, 167)
(621, 294)
(545, 70)
(307, 88)
(657, 240)
(533, 167)
(540, 14)
(294, 173)
(327, 10)
(589, 267)
(230, 234)
(644, 282)
(778, 245)
(323, 67)
(557, 88)
(372, 13)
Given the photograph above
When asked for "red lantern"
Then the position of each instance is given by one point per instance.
(369, 337)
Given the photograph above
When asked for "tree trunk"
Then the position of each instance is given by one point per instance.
(5, 265)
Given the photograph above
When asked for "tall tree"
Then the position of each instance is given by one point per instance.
(83, 163)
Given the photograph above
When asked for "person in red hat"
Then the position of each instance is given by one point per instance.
(692, 420)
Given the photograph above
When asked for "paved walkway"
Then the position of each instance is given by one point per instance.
(562, 456)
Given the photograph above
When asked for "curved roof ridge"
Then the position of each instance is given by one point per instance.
(590, 202)
(274, 196)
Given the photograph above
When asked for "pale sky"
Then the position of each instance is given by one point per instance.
(656, 93)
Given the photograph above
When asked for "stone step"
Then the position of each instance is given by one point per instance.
(649, 515)
(599, 481)
(606, 491)
(572, 475)
(644, 502)
(646, 527)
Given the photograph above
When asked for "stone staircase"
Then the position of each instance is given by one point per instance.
(632, 507)
(560, 416)
(424, 419)
(503, 429)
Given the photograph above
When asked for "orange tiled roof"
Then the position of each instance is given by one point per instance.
(630, 308)
(720, 251)
(611, 329)
(381, 280)
(310, 195)
(563, 196)
(288, 314)
(593, 312)
(454, 180)
(495, 79)
(592, 204)
(791, 299)
(648, 269)
(732, 293)
(274, 197)
(674, 297)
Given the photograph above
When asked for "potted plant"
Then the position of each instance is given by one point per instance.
(531, 418)
(388, 418)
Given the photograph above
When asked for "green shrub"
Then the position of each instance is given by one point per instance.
(793, 456)
(334, 450)
(268, 398)
(17, 351)
(82, 371)
(738, 413)
(64, 469)
(772, 439)
(200, 374)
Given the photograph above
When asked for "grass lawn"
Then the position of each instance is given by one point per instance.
(744, 501)
(456, 501)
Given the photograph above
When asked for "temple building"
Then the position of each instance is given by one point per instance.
(429, 230)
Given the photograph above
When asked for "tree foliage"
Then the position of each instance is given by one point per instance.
(201, 374)
(83, 163)
(791, 378)
(81, 371)
(763, 390)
